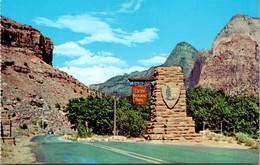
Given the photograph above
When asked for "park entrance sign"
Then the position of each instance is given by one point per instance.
(139, 95)
(169, 120)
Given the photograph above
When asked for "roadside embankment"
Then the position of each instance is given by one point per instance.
(21, 153)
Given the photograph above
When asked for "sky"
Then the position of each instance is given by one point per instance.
(95, 40)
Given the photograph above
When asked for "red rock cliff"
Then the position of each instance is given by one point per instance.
(31, 88)
(14, 34)
(235, 58)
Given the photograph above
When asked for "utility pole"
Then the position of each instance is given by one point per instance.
(115, 113)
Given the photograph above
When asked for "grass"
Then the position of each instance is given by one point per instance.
(5, 150)
(71, 137)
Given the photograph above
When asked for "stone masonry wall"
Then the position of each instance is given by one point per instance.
(170, 124)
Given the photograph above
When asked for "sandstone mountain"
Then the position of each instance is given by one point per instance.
(234, 63)
(244, 25)
(31, 88)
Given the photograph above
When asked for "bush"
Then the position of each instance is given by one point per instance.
(43, 124)
(82, 131)
(243, 138)
(34, 122)
(230, 140)
(23, 126)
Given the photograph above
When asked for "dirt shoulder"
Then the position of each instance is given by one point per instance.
(20, 153)
(206, 143)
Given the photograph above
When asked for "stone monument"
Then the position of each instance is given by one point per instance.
(169, 120)
(6, 129)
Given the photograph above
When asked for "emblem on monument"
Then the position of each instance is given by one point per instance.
(171, 93)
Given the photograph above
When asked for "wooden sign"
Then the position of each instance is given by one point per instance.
(139, 95)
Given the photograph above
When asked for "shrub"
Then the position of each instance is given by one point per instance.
(82, 132)
(57, 105)
(250, 143)
(23, 126)
(18, 98)
(43, 124)
(211, 135)
(242, 137)
(34, 122)
(224, 139)
(217, 138)
(229, 140)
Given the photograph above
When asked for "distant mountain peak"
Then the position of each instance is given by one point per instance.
(239, 23)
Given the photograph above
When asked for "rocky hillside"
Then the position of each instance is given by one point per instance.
(234, 62)
(31, 88)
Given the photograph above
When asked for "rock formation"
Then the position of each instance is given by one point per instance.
(194, 77)
(21, 36)
(235, 56)
(31, 88)
(244, 25)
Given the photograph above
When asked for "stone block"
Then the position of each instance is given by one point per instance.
(6, 127)
(6, 133)
(8, 140)
(6, 121)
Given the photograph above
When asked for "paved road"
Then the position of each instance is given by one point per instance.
(51, 150)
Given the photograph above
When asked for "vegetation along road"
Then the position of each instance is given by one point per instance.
(50, 149)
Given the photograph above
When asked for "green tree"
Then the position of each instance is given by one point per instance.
(97, 114)
(237, 114)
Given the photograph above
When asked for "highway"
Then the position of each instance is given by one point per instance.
(50, 149)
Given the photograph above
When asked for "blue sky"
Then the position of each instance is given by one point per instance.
(95, 40)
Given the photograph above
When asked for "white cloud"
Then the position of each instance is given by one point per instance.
(92, 68)
(130, 6)
(71, 49)
(137, 6)
(96, 60)
(153, 61)
(96, 74)
(47, 22)
(97, 30)
(86, 24)
(147, 35)
(105, 53)
(86, 57)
